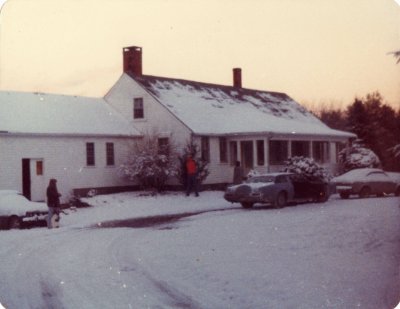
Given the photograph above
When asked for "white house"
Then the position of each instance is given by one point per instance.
(259, 128)
(82, 141)
(79, 141)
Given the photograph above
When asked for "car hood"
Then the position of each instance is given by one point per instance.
(251, 185)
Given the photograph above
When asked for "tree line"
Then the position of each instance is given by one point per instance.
(376, 124)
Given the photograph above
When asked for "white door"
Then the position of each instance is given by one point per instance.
(38, 185)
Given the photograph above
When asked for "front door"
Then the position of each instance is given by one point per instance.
(247, 155)
(33, 183)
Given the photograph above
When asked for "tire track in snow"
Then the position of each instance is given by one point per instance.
(152, 292)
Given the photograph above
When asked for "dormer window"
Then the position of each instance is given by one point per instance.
(138, 109)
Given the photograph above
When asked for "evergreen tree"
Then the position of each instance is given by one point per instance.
(377, 125)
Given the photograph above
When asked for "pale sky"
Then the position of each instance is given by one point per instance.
(316, 51)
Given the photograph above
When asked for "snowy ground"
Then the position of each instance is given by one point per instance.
(341, 254)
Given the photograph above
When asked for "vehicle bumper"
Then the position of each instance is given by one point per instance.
(344, 189)
(246, 199)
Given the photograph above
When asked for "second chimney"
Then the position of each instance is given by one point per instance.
(237, 77)
(132, 57)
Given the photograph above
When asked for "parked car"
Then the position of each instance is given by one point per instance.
(277, 189)
(365, 182)
(16, 209)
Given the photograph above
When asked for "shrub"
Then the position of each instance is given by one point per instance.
(152, 166)
(357, 156)
(306, 169)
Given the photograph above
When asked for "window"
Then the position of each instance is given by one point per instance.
(110, 154)
(260, 153)
(39, 168)
(90, 154)
(163, 145)
(321, 152)
(205, 148)
(138, 109)
(339, 147)
(281, 179)
(300, 149)
(223, 150)
(233, 150)
(278, 152)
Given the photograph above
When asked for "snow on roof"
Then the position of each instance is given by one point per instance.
(39, 113)
(216, 109)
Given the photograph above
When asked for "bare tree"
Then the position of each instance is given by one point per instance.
(396, 54)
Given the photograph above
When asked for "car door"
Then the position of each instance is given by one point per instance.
(380, 182)
(283, 183)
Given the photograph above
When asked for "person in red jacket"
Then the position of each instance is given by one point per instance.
(191, 180)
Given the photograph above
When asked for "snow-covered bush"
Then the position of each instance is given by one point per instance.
(306, 169)
(149, 164)
(252, 173)
(395, 150)
(357, 156)
(191, 148)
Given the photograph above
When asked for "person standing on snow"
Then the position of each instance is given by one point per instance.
(53, 201)
(191, 171)
(238, 173)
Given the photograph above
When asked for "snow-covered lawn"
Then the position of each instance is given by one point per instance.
(340, 254)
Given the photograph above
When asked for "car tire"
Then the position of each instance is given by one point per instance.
(365, 192)
(14, 222)
(323, 196)
(397, 193)
(281, 200)
(344, 195)
(247, 205)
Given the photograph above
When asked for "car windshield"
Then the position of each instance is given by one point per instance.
(259, 179)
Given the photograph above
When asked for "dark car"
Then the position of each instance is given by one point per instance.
(365, 182)
(277, 189)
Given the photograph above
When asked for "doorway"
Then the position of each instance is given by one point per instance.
(247, 155)
(33, 185)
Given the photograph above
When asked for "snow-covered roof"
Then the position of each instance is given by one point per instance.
(39, 113)
(215, 109)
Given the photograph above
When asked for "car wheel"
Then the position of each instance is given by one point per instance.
(344, 195)
(246, 204)
(397, 193)
(14, 222)
(323, 196)
(281, 200)
(365, 192)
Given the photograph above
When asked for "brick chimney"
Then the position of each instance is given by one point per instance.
(132, 57)
(237, 77)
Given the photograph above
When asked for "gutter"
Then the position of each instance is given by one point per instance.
(87, 135)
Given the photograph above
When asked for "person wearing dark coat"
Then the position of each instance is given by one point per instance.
(53, 201)
(238, 173)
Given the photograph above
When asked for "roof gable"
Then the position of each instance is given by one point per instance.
(215, 109)
(38, 113)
